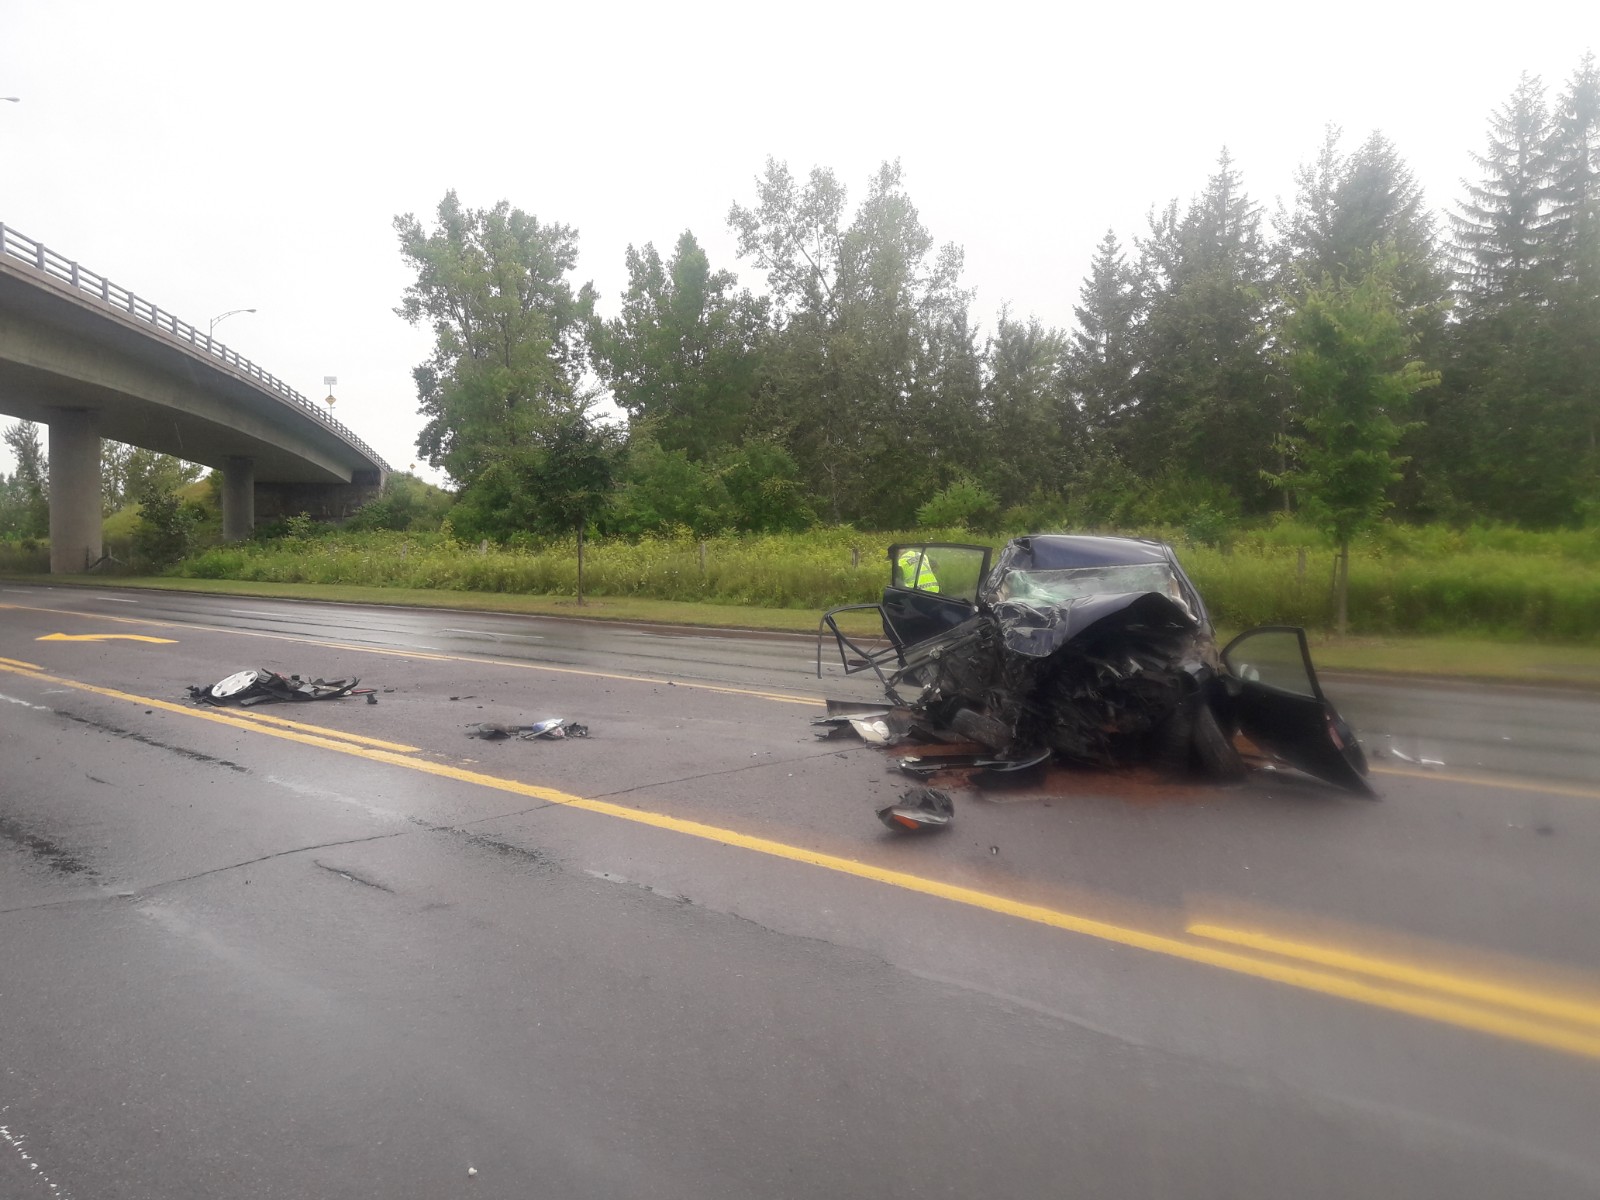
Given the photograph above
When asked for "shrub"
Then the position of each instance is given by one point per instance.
(966, 503)
(165, 531)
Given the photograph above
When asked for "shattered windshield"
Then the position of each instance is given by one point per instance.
(1072, 583)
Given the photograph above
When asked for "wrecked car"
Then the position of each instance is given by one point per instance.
(1093, 650)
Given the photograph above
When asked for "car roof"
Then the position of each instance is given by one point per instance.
(1060, 551)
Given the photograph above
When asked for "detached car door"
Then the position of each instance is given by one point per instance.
(1279, 705)
(933, 587)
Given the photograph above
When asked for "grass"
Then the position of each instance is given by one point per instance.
(1481, 658)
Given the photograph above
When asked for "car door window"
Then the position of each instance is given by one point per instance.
(944, 569)
(1277, 657)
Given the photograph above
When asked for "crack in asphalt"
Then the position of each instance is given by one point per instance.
(352, 877)
(250, 862)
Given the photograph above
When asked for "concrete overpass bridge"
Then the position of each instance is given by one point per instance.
(91, 359)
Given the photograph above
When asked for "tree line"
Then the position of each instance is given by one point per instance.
(1346, 351)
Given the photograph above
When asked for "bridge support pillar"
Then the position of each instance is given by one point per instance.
(75, 543)
(238, 498)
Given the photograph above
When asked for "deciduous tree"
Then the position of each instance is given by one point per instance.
(681, 357)
(509, 331)
(1348, 354)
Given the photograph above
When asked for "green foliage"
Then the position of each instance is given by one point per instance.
(763, 489)
(25, 495)
(1353, 388)
(166, 529)
(856, 386)
(24, 556)
(407, 503)
(681, 359)
(964, 504)
(509, 349)
(1205, 402)
(1041, 511)
(558, 482)
(1030, 414)
(128, 472)
(870, 376)
(665, 490)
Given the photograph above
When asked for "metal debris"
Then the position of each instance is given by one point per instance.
(553, 729)
(258, 685)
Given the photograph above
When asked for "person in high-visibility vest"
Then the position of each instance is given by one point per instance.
(916, 571)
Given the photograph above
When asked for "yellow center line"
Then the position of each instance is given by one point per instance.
(1509, 783)
(1434, 1008)
(17, 662)
(321, 730)
(1563, 1008)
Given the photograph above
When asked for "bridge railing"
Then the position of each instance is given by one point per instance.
(43, 259)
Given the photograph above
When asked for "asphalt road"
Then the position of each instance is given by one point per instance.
(344, 950)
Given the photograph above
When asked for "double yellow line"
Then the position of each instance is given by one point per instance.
(1569, 1024)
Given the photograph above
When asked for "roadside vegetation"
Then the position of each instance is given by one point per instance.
(1488, 582)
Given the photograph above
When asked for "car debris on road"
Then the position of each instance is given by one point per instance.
(920, 810)
(550, 730)
(257, 685)
(1084, 649)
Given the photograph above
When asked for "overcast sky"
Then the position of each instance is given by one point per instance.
(215, 156)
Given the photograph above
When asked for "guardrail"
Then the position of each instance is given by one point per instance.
(57, 267)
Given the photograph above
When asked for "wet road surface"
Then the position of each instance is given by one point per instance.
(344, 950)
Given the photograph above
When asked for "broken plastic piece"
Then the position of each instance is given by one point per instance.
(559, 727)
(556, 727)
(920, 809)
(874, 731)
(261, 686)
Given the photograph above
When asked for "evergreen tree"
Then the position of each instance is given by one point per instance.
(1351, 209)
(1500, 232)
(1032, 422)
(1520, 383)
(1102, 355)
(1572, 164)
(1572, 239)
(1205, 406)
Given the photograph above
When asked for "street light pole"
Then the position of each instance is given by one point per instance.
(220, 317)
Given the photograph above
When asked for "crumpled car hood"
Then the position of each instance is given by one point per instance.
(1038, 631)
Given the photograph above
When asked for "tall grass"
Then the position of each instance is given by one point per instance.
(1494, 582)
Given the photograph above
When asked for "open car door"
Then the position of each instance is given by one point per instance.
(933, 587)
(1280, 707)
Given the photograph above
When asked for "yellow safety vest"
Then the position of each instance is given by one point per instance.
(916, 572)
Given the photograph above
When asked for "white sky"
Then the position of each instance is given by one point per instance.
(216, 156)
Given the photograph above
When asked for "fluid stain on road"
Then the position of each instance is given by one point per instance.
(1139, 786)
(142, 739)
(50, 853)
